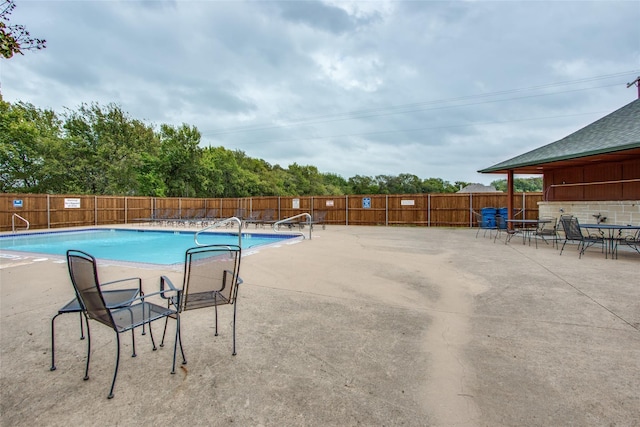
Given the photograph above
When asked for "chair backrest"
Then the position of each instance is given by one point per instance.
(501, 222)
(210, 276)
(571, 228)
(267, 215)
(84, 277)
(548, 225)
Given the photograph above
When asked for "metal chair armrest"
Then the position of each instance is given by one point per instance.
(123, 280)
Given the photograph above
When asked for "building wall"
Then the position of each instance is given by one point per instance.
(616, 212)
(600, 181)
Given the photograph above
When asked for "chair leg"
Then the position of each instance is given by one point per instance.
(164, 332)
(53, 343)
(216, 311)
(564, 243)
(234, 328)
(81, 327)
(178, 339)
(86, 370)
(153, 342)
(115, 372)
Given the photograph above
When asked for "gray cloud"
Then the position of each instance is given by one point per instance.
(436, 89)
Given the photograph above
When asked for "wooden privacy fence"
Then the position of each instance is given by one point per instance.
(430, 210)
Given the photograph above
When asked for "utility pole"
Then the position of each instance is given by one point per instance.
(636, 82)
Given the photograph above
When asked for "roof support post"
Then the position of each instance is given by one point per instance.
(510, 197)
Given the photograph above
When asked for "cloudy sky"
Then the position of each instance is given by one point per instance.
(430, 88)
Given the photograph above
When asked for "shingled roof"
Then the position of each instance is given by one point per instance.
(619, 131)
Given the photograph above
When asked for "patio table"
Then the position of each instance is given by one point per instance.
(527, 227)
(611, 238)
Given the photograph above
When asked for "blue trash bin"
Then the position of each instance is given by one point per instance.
(488, 217)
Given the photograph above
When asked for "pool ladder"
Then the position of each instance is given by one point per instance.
(13, 222)
(286, 220)
(219, 224)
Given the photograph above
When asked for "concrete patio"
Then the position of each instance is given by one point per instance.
(369, 326)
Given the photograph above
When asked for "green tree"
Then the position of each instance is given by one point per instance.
(222, 176)
(520, 185)
(334, 184)
(29, 141)
(304, 181)
(15, 38)
(179, 162)
(106, 149)
(363, 185)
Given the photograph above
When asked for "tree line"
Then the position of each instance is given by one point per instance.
(101, 150)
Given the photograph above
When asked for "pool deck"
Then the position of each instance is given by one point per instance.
(359, 326)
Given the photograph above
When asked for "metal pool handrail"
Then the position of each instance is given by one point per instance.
(282, 221)
(218, 224)
(13, 222)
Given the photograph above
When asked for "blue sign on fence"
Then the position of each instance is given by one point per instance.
(17, 203)
(366, 203)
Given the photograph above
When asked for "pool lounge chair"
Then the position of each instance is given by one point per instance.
(159, 216)
(172, 218)
(126, 317)
(318, 219)
(185, 217)
(197, 217)
(253, 218)
(209, 217)
(267, 218)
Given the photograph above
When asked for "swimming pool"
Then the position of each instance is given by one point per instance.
(140, 246)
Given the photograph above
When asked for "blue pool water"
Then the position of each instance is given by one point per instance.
(143, 246)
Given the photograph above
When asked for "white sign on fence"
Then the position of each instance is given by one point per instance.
(71, 203)
(329, 203)
(296, 203)
(407, 202)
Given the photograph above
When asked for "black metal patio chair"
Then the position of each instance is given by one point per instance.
(631, 240)
(548, 229)
(501, 227)
(573, 232)
(211, 278)
(128, 316)
(113, 298)
(484, 224)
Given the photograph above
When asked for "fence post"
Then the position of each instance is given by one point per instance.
(346, 207)
(386, 210)
(470, 210)
(429, 210)
(48, 211)
(95, 210)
